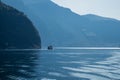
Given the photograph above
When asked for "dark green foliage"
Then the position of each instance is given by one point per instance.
(16, 30)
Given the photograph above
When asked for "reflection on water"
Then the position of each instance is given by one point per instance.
(17, 65)
(80, 65)
(60, 65)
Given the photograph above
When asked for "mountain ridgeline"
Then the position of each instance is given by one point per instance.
(16, 30)
(62, 27)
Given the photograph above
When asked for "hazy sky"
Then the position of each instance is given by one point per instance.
(107, 8)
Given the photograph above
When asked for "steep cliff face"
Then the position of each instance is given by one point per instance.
(16, 30)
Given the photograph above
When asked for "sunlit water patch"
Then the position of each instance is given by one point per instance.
(81, 65)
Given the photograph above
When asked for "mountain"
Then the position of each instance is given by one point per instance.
(65, 28)
(62, 27)
(16, 30)
(19, 5)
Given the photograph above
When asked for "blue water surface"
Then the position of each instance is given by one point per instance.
(60, 65)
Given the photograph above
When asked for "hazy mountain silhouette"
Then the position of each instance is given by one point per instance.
(16, 30)
(62, 27)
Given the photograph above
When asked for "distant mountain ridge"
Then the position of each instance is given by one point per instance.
(16, 30)
(62, 27)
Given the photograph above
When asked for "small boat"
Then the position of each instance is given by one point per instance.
(50, 47)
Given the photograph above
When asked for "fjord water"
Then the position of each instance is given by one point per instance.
(62, 64)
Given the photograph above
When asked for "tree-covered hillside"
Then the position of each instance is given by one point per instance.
(16, 30)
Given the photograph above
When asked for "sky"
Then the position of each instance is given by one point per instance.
(105, 8)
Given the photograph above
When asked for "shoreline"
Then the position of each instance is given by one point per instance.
(66, 48)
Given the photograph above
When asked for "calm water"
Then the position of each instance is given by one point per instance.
(60, 65)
